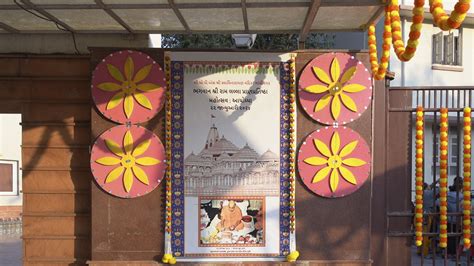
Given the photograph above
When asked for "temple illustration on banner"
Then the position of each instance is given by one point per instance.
(222, 168)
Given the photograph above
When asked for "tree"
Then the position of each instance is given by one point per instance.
(262, 42)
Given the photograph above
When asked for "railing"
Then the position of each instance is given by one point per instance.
(10, 227)
(432, 99)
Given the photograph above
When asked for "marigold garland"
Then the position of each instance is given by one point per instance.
(467, 179)
(454, 21)
(419, 177)
(443, 181)
(405, 54)
(168, 257)
(292, 141)
(379, 70)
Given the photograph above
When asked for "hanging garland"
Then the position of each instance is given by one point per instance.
(168, 257)
(393, 34)
(405, 54)
(443, 180)
(454, 21)
(380, 70)
(467, 180)
(294, 254)
(419, 177)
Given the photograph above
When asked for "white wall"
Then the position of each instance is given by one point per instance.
(418, 72)
(10, 149)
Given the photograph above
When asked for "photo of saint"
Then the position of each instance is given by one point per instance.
(232, 221)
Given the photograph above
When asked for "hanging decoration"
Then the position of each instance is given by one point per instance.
(443, 180)
(453, 21)
(393, 33)
(128, 87)
(467, 179)
(335, 88)
(419, 176)
(168, 257)
(294, 254)
(379, 70)
(405, 54)
(334, 162)
(128, 162)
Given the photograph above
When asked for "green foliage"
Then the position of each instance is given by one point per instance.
(262, 42)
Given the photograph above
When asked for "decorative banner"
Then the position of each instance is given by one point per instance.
(128, 87)
(334, 162)
(231, 182)
(128, 162)
(335, 88)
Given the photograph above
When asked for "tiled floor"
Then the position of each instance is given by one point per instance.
(10, 250)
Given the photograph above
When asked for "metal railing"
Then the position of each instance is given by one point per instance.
(432, 99)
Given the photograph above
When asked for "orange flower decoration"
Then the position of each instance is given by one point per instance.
(127, 160)
(336, 89)
(128, 87)
(335, 162)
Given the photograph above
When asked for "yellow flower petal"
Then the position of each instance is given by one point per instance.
(147, 161)
(323, 102)
(334, 180)
(140, 174)
(348, 149)
(353, 162)
(336, 107)
(353, 88)
(322, 148)
(114, 147)
(128, 105)
(148, 87)
(108, 161)
(109, 86)
(128, 180)
(115, 101)
(335, 143)
(115, 73)
(114, 174)
(348, 75)
(316, 89)
(321, 174)
(142, 100)
(321, 75)
(142, 73)
(335, 69)
(347, 175)
(141, 148)
(348, 102)
(128, 142)
(128, 68)
(316, 161)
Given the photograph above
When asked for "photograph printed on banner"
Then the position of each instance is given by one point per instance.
(232, 221)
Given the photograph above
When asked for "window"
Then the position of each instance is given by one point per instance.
(447, 48)
(8, 177)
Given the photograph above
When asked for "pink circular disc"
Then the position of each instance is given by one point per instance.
(128, 86)
(128, 162)
(335, 88)
(334, 162)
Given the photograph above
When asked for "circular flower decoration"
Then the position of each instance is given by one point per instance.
(128, 162)
(128, 86)
(335, 88)
(334, 162)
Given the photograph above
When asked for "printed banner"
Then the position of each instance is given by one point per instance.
(230, 155)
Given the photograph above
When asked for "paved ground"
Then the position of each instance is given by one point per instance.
(10, 250)
(428, 261)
